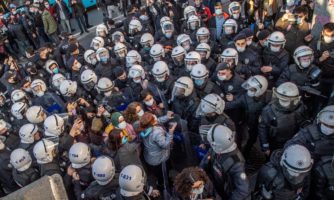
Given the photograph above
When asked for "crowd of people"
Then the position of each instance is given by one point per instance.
(181, 100)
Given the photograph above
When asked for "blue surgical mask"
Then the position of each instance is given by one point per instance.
(199, 82)
(104, 59)
(55, 70)
(299, 20)
(169, 35)
(147, 49)
(218, 11)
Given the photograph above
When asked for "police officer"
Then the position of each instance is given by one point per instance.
(205, 51)
(225, 162)
(36, 115)
(178, 68)
(146, 42)
(322, 179)
(274, 58)
(185, 41)
(281, 118)
(203, 85)
(29, 135)
(9, 138)
(90, 58)
(287, 175)
(252, 102)
(105, 67)
(230, 30)
(45, 152)
(135, 32)
(249, 61)
(163, 79)
(23, 172)
(88, 80)
(211, 111)
(318, 136)
(105, 184)
(234, 9)
(184, 99)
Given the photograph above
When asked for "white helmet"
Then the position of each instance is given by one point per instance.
(303, 56)
(133, 57)
(189, 11)
(20, 159)
(68, 88)
(120, 50)
(49, 64)
(221, 139)
(230, 26)
(105, 85)
(44, 151)
(117, 36)
(101, 28)
(287, 94)
(296, 162)
(97, 43)
(183, 86)
(230, 53)
(103, 170)
(18, 95)
(35, 114)
(135, 26)
(79, 155)
(88, 77)
(205, 49)
(157, 51)
(255, 85)
(54, 125)
(38, 87)
(164, 19)
(199, 71)
(178, 55)
(326, 116)
(160, 70)
(192, 58)
(147, 40)
(184, 41)
(167, 29)
(90, 57)
(57, 79)
(276, 41)
(193, 22)
(132, 180)
(234, 9)
(102, 54)
(19, 109)
(203, 35)
(211, 103)
(136, 71)
(27, 133)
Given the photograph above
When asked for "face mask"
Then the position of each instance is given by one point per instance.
(218, 12)
(240, 49)
(326, 130)
(265, 43)
(160, 80)
(122, 125)
(249, 42)
(228, 30)
(107, 94)
(149, 103)
(136, 80)
(147, 49)
(55, 70)
(299, 20)
(284, 104)
(40, 93)
(328, 39)
(199, 82)
(275, 49)
(198, 191)
(222, 78)
(168, 35)
(189, 67)
(251, 93)
(290, 3)
(236, 16)
(186, 47)
(79, 65)
(140, 113)
(94, 61)
(104, 59)
(305, 64)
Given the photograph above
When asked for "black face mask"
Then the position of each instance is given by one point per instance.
(211, 118)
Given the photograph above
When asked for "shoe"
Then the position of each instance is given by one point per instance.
(87, 31)
(89, 26)
(72, 30)
(82, 33)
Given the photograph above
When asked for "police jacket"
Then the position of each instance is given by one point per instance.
(327, 66)
(271, 179)
(228, 174)
(316, 142)
(277, 124)
(277, 60)
(26, 177)
(295, 74)
(323, 179)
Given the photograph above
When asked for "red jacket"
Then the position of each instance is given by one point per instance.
(206, 11)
